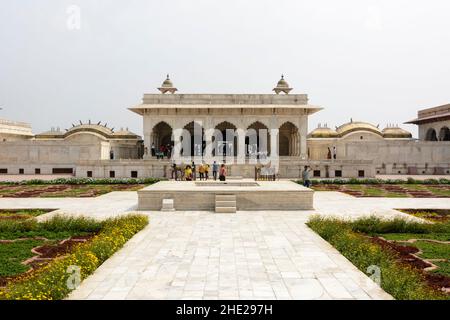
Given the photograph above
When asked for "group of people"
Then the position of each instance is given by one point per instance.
(162, 151)
(189, 172)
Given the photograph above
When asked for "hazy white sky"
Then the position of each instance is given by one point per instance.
(372, 60)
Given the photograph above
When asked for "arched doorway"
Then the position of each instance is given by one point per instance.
(287, 139)
(225, 140)
(162, 135)
(444, 134)
(257, 140)
(197, 143)
(431, 135)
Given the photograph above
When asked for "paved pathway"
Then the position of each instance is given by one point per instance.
(248, 255)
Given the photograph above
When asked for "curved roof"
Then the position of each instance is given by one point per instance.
(101, 130)
(354, 126)
(396, 132)
(323, 132)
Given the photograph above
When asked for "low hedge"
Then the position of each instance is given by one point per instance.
(401, 281)
(50, 281)
(82, 181)
(377, 181)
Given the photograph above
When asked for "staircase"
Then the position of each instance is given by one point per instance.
(225, 203)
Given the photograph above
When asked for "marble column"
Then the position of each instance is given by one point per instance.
(177, 132)
(303, 132)
(240, 157)
(209, 133)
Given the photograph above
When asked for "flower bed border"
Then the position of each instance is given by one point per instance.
(377, 181)
(51, 281)
(401, 281)
(82, 181)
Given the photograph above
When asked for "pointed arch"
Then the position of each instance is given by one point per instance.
(288, 139)
(162, 134)
(226, 143)
(257, 139)
(431, 135)
(444, 134)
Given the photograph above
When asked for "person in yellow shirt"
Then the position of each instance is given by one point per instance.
(188, 173)
(201, 171)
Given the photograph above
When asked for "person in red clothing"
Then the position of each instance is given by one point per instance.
(222, 173)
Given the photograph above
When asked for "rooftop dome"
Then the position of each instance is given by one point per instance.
(282, 86)
(323, 132)
(353, 126)
(167, 86)
(396, 132)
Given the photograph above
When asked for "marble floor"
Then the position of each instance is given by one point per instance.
(247, 255)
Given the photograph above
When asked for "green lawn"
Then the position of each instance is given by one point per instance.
(27, 234)
(13, 254)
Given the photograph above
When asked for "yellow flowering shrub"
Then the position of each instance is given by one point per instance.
(53, 281)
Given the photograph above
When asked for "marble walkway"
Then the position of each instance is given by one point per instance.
(248, 255)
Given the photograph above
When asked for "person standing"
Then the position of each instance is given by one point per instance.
(174, 171)
(222, 173)
(206, 171)
(215, 168)
(194, 172)
(188, 173)
(153, 149)
(201, 171)
(305, 177)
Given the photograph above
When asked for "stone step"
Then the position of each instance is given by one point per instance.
(225, 209)
(225, 197)
(235, 178)
(226, 203)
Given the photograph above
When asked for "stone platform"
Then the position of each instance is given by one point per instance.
(250, 195)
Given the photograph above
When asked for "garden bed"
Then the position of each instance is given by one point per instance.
(73, 187)
(35, 256)
(21, 214)
(389, 190)
(413, 256)
(433, 215)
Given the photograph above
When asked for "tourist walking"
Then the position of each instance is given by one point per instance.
(305, 177)
(222, 173)
(215, 168)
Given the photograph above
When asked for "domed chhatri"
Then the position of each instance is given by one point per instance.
(282, 86)
(167, 86)
(323, 132)
(395, 132)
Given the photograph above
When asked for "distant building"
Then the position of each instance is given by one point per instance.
(231, 128)
(12, 130)
(434, 123)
